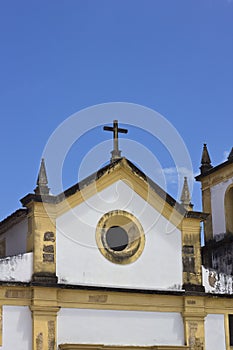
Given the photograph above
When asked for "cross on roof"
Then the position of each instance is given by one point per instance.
(116, 153)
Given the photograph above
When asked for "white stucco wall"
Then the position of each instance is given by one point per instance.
(17, 328)
(217, 204)
(79, 261)
(119, 327)
(17, 268)
(16, 238)
(214, 332)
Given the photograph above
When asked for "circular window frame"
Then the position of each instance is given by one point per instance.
(134, 230)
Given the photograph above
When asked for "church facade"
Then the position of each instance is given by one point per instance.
(91, 269)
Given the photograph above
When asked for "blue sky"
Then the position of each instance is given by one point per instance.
(58, 57)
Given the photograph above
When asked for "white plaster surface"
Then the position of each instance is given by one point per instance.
(16, 238)
(119, 327)
(79, 261)
(218, 283)
(214, 332)
(17, 268)
(17, 328)
(217, 205)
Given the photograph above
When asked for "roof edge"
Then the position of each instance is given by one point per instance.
(13, 219)
(212, 170)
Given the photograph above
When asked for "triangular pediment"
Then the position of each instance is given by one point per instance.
(126, 171)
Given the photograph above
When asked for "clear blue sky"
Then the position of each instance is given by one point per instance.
(58, 57)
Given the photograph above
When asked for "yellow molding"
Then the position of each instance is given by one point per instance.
(101, 299)
(15, 295)
(124, 173)
(44, 310)
(42, 219)
(119, 347)
(133, 229)
(119, 301)
(45, 303)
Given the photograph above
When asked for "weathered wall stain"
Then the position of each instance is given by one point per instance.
(51, 335)
(39, 342)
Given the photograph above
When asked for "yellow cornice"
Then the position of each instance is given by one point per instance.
(90, 299)
(53, 298)
(15, 295)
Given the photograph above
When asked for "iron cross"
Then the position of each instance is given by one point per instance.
(116, 154)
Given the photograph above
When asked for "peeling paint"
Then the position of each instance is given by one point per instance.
(215, 282)
(175, 287)
(16, 268)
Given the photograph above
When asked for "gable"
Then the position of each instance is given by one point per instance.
(127, 172)
(79, 259)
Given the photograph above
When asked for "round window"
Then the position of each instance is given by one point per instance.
(117, 238)
(120, 237)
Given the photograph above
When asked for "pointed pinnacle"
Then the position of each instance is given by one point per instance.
(185, 195)
(42, 177)
(42, 181)
(230, 157)
(205, 160)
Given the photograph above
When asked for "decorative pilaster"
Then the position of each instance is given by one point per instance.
(42, 222)
(44, 315)
(191, 253)
(42, 229)
(194, 323)
(206, 205)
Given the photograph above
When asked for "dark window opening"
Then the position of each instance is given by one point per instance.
(117, 238)
(231, 329)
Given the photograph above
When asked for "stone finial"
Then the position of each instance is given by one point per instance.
(205, 160)
(230, 157)
(185, 195)
(42, 181)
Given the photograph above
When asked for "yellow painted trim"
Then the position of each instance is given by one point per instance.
(135, 233)
(15, 295)
(191, 237)
(119, 347)
(115, 300)
(227, 335)
(44, 318)
(45, 303)
(90, 299)
(41, 223)
(122, 172)
(207, 208)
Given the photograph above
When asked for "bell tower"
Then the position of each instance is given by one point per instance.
(217, 201)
